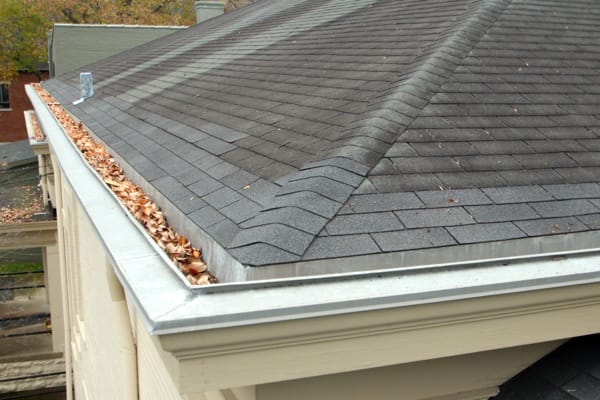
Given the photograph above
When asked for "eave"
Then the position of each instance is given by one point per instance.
(222, 358)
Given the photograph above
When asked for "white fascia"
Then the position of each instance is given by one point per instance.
(169, 305)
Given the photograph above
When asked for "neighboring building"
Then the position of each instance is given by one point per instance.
(31, 325)
(400, 199)
(71, 46)
(13, 101)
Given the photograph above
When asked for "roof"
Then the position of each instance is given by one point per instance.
(345, 135)
(572, 372)
(16, 154)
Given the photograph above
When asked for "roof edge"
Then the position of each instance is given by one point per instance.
(63, 25)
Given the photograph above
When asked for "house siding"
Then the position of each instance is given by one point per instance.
(154, 380)
(101, 347)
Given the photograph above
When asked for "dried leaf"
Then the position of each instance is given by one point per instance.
(197, 267)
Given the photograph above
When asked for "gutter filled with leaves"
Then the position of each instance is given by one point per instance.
(185, 256)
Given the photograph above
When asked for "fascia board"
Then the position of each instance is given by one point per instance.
(407, 288)
(222, 358)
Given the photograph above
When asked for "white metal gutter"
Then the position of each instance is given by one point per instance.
(169, 304)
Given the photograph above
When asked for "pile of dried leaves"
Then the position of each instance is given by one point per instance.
(37, 131)
(180, 250)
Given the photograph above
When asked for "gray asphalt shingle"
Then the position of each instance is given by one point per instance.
(486, 232)
(584, 190)
(434, 217)
(518, 194)
(551, 226)
(413, 239)
(284, 237)
(502, 212)
(564, 208)
(340, 246)
(384, 202)
(363, 223)
(448, 198)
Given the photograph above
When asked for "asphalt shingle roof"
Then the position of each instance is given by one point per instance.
(305, 130)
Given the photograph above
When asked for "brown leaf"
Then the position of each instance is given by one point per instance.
(197, 267)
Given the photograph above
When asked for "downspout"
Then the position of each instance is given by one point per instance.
(51, 53)
(63, 285)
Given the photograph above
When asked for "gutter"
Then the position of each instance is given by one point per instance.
(169, 304)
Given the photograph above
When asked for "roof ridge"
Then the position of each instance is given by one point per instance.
(430, 70)
(370, 136)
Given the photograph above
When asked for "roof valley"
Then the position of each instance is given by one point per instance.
(321, 188)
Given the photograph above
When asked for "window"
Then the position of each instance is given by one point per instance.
(4, 100)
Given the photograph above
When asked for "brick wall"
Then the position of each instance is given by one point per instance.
(12, 123)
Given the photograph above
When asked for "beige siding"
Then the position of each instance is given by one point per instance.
(155, 382)
(102, 351)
